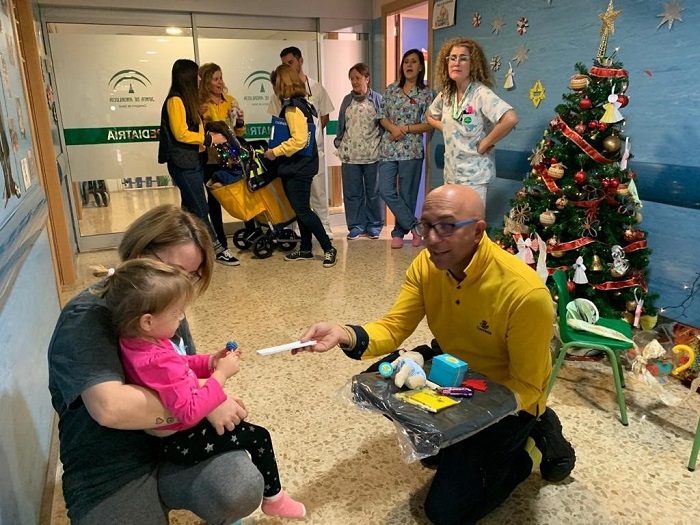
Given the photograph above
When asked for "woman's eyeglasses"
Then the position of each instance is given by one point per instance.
(195, 277)
(443, 229)
(453, 59)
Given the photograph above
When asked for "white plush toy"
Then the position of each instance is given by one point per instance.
(409, 370)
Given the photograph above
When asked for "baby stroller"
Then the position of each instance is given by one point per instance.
(247, 187)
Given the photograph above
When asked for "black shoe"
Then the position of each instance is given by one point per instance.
(558, 456)
(329, 258)
(298, 255)
(227, 258)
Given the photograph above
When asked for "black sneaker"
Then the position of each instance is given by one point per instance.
(227, 258)
(298, 255)
(558, 456)
(329, 258)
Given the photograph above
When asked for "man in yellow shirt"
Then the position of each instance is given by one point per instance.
(488, 308)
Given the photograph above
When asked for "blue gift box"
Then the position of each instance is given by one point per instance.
(447, 370)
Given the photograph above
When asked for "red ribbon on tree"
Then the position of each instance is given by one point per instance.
(571, 245)
(639, 245)
(637, 280)
(609, 72)
(578, 140)
(586, 204)
(548, 181)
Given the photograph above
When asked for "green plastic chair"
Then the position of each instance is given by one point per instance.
(695, 450)
(580, 339)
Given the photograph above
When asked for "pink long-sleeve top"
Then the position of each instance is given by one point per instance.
(174, 377)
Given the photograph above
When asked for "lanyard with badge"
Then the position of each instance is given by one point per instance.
(310, 95)
(463, 112)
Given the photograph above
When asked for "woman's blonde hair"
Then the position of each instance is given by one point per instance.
(287, 83)
(166, 226)
(143, 286)
(479, 70)
(206, 71)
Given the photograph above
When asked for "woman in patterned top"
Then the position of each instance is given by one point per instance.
(471, 116)
(402, 115)
(357, 141)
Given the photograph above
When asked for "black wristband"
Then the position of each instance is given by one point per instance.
(207, 140)
(361, 344)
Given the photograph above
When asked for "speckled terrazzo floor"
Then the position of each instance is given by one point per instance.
(345, 465)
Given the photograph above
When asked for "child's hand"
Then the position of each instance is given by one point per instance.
(229, 364)
(215, 358)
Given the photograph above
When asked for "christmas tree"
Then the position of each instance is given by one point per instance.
(579, 209)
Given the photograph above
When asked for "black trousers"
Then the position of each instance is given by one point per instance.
(476, 475)
(298, 191)
(189, 447)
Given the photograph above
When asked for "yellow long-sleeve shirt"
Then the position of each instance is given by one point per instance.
(222, 110)
(177, 117)
(298, 131)
(498, 319)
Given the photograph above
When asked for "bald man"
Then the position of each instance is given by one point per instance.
(490, 309)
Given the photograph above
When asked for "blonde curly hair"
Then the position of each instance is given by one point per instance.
(479, 70)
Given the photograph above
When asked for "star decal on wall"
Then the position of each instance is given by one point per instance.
(498, 24)
(521, 54)
(672, 12)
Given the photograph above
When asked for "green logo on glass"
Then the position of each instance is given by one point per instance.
(130, 76)
(260, 76)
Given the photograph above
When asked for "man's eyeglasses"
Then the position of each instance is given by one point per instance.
(443, 229)
(462, 59)
(195, 276)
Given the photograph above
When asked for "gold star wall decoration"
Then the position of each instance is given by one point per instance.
(498, 24)
(521, 54)
(537, 93)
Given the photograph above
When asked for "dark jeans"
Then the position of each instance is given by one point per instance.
(215, 214)
(476, 475)
(190, 182)
(298, 191)
(201, 442)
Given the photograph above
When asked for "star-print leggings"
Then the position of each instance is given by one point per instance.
(188, 447)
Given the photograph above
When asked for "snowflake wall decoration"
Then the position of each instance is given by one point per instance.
(672, 12)
(476, 19)
(496, 62)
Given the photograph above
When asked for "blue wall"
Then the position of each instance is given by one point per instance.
(661, 118)
(26, 324)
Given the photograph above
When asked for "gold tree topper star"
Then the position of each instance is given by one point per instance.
(608, 19)
(672, 12)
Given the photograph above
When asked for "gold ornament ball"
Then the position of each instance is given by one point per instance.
(557, 255)
(611, 144)
(556, 171)
(628, 317)
(547, 218)
(631, 305)
(579, 82)
(616, 273)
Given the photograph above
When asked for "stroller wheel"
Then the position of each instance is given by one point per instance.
(263, 247)
(105, 198)
(242, 239)
(287, 239)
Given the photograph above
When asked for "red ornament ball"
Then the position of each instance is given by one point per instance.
(602, 126)
(593, 124)
(614, 184)
(580, 128)
(580, 177)
(605, 183)
(571, 286)
(586, 103)
(553, 160)
(623, 100)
